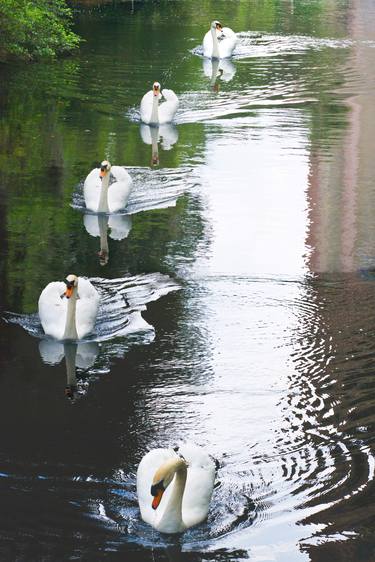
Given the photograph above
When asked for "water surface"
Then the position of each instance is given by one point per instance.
(257, 205)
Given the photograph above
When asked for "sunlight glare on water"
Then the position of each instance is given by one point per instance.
(245, 258)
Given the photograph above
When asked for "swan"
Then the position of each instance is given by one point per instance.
(100, 195)
(68, 310)
(219, 42)
(154, 114)
(175, 487)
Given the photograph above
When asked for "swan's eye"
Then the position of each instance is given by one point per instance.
(156, 488)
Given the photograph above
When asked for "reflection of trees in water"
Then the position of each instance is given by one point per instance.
(329, 410)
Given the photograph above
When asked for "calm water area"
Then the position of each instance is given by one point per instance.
(238, 289)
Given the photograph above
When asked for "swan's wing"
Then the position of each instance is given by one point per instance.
(120, 226)
(120, 174)
(87, 307)
(52, 309)
(146, 107)
(168, 109)
(119, 190)
(199, 484)
(91, 189)
(145, 474)
(227, 42)
(229, 33)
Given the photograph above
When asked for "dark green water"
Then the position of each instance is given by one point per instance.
(260, 211)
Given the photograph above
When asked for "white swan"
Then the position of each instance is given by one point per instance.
(219, 42)
(174, 490)
(68, 310)
(154, 114)
(100, 195)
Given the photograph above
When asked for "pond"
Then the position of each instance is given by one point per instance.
(236, 290)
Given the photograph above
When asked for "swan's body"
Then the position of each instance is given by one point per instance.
(107, 189)
(181, 483)
(153, 113)
(68, 310)
(219, 42)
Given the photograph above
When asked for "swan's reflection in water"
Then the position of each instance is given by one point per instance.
(166, 134)
(77, 355)
(118, 226)
(222, 69)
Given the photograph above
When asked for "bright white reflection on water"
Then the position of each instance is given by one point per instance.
(255, 178)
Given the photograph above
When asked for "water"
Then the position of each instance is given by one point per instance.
(236, 287)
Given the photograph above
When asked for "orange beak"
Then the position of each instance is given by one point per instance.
(102, 173)
(157, 498)
(68, 293)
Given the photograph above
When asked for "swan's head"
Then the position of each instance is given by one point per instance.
(164, 476)
(216, 25)
(105, 167)
(71, 282)
(156, 88)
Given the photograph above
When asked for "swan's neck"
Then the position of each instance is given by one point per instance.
(155, 110)
(215, 44)
(103, 201)
(171, 520)
(70, 332)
